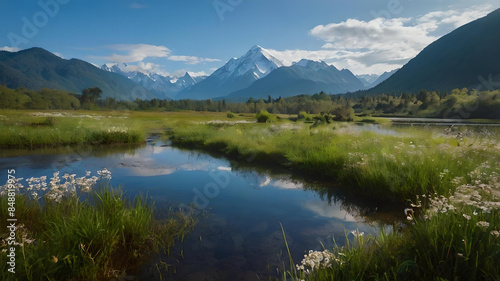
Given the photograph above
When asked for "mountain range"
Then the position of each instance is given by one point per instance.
(236, 74)
(260, 74)
(37, 68)
(163, 87)
(304, 77)
(467, 57)
(256, 74)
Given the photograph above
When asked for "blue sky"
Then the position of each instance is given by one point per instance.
(171, 37)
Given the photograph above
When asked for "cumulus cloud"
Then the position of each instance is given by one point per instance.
(381, 44)
(9, 49)
(377, 35)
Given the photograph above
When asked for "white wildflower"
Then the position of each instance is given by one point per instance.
(357, 233)
(483, 224)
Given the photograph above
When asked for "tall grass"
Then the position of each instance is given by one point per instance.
(394, 167)
(97, 236)
(454, 245)
(30, 130)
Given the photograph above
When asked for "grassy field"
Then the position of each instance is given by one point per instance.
(415, 161)
(449, 176)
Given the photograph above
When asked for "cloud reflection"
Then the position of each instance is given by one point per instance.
(323, 209)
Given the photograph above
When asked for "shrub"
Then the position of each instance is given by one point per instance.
(264, 117)
(230, 114)
(303, 115)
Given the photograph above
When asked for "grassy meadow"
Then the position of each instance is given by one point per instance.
(449, 178)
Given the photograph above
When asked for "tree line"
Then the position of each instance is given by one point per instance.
(458, 103)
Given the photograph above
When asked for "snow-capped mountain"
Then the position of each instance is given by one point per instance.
(372, 80)
(368, 79)
(303, 77)
(236, 74)
(258, 61)
(163, 87)
(383, 77)
(187, 80)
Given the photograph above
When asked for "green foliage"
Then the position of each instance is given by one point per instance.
(304, 116)
(90, 96)
(229, 114)
(44, 99)
(460, 103)
(264, 117)
(344, 114)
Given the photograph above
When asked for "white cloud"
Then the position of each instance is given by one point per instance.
(132, 57)
(182, 72)
(137, 52)
(378, 35)
(381, 44)
(191, 59)
(324, 209)
(455, 18)
(146, 68)
(10, 49)
(59, 55)
(197, 74)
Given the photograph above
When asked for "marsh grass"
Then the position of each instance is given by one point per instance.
(454, 237)
(68, 231)
(31, 130)
(447, 246)
(102, 237)
(393, 167)
(439, 244)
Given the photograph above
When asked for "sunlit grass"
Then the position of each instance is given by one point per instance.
(452, 240)
(413, 162)
(396, 167)
(30, 129)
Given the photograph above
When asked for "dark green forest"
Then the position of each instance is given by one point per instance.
(459, 103)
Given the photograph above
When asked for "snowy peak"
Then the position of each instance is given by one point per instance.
(314, 65)
(160, 85)
(185, 81)
(257, 62)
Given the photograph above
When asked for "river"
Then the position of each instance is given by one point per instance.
(240, 237)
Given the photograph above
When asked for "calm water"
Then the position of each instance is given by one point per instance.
(241, 237)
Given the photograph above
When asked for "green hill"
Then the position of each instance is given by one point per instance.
(37, 68)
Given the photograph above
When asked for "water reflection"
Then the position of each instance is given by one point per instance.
(325, 209)
(241, 238)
